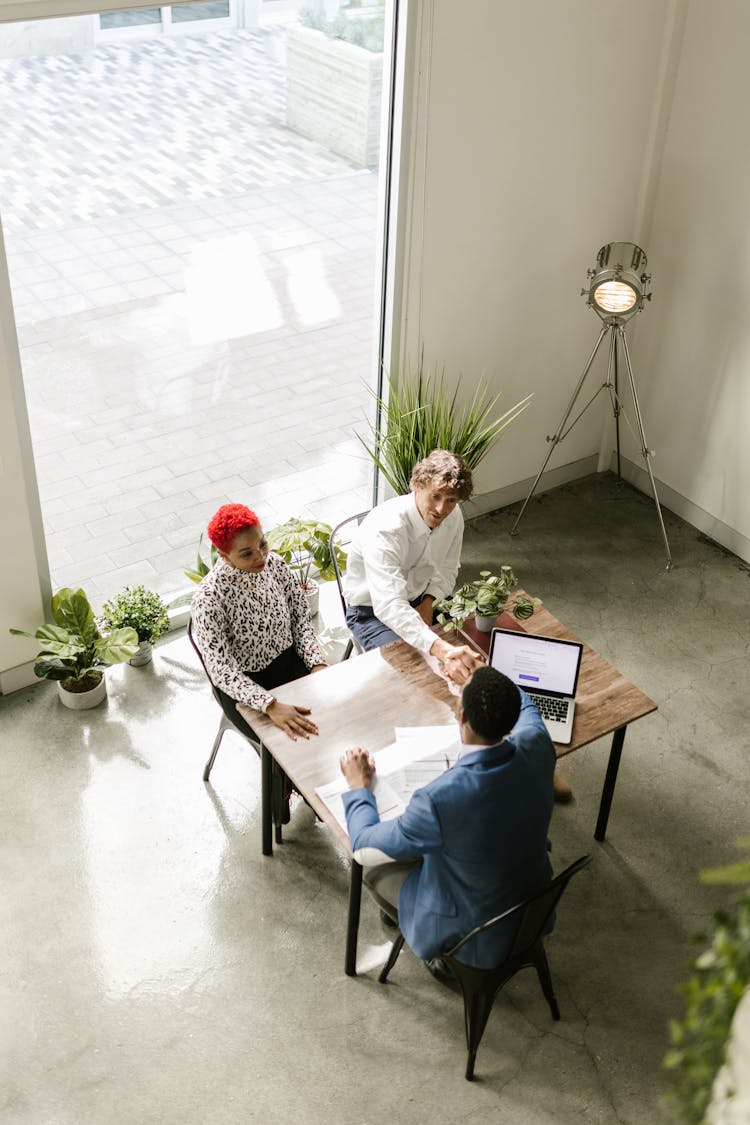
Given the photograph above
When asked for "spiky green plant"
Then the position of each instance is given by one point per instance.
(201, 566)
(420, 414)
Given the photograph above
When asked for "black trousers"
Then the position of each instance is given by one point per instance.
(286, 667)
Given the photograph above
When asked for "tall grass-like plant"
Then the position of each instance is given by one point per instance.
(419, 414)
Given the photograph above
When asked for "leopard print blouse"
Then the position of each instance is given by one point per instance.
(241, 622)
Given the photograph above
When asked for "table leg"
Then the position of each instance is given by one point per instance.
(608, 789)
(352, 925)
(266, 794)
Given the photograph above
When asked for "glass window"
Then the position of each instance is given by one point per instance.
(108, 21)
(184, 13)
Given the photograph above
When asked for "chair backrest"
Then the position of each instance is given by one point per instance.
(199, 654)
(533, 914)
(332, 539)
(228, 705)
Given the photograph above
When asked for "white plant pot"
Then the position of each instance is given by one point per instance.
(484, 624)
(312, 592)
(83, 700)
(143, 655)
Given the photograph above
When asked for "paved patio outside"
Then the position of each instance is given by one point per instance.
(194, 293)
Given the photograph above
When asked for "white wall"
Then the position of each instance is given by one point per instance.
(24, 574)
(532, 130)
(538, 132)
(694, 343)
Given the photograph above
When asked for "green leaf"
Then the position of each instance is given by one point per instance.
(53, 669)
(71, 610)
(60, 641)
(117, 646)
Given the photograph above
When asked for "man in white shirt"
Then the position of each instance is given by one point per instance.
(405, 558)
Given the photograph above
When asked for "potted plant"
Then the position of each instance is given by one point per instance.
(717, 997)
(201, 566)
(140, 609)
(483, 599)
(420, 415)
(73, 650)
(304, 545)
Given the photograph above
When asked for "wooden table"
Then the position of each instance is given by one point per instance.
(359, 702)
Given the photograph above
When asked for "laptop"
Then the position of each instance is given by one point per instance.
(547, 670)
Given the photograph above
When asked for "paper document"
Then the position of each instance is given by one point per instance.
(418, 755)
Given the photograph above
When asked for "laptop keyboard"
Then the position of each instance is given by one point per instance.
(551, 708)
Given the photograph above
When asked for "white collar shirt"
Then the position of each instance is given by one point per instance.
(395, 558)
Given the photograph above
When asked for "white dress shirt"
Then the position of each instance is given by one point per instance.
(395, 558)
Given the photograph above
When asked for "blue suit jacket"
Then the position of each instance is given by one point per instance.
(480, 830)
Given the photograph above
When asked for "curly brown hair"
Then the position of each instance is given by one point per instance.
(443, 469)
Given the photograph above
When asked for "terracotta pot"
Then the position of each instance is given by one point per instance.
(83, 700)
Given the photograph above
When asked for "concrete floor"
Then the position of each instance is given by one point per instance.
(158, 969)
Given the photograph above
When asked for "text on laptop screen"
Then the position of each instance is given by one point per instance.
(536, 663)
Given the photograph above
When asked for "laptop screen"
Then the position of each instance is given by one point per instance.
(536, 663)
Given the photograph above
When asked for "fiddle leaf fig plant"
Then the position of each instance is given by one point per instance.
(486, 596)
(73, 650)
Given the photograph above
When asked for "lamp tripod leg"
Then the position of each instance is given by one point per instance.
(616, 401)
(645, 451)
(560, 431)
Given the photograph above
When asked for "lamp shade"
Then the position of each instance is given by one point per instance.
(618, 282)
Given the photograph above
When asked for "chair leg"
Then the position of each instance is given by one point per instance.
(214, 750)
(396, 948)
(348, 650)
(477, 1008)
(470, 1060)
(545, 979)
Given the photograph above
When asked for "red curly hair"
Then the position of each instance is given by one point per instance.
(227, 522)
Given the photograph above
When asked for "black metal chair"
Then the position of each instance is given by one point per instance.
(481, 986)
(231, 719)
(332, 539)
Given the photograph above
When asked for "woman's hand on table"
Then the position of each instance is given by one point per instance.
(318, 668)
(358, 767)
(291, 719)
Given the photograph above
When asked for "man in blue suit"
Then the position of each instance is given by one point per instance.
(471, 843)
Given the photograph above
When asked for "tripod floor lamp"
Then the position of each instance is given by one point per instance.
(617, 291)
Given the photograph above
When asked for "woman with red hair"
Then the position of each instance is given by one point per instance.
(251, 621)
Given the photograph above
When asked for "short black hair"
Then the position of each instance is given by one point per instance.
(491, 703)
